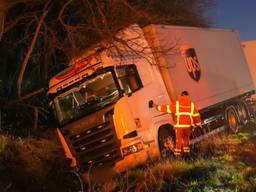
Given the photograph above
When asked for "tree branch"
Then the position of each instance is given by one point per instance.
(30, 50)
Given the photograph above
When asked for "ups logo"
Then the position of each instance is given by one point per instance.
(191, 62)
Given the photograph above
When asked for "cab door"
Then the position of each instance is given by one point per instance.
(138, 94)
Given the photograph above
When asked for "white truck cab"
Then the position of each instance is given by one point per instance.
(102, 106)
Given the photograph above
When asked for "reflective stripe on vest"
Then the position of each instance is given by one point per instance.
(168, 107)
(182, 126)
(178, 114)
(192, 111)
(196, 114)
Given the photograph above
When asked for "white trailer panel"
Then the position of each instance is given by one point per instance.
(223, 73)
(249, 48)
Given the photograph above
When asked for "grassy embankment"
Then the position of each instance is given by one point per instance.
(222, 163)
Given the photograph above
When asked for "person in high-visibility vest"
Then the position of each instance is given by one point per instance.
(186, 116)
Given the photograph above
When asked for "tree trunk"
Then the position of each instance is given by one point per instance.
(32, 45)
(35, 127)
(2, 19)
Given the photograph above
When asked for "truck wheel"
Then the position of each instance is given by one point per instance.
(243, 113)
(232, 119)
(166, 141)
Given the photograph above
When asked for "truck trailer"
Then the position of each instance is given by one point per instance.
(249, 48)
(101, 101)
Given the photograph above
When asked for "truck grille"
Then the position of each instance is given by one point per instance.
(97, 146)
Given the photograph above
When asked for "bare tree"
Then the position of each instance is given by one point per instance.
(31, 47)
(55, 34)
(2, 19)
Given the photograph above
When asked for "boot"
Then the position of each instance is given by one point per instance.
(186, 156)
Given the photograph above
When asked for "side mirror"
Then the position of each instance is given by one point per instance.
(151, 104)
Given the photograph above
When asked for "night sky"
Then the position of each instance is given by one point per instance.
(236, 14)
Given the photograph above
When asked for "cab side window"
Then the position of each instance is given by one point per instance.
(129, 78)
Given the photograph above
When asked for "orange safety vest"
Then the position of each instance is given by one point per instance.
(185, 112)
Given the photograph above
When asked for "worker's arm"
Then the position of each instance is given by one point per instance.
(196, 117)
(163, 108)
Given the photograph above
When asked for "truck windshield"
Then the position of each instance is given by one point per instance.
(90, 96)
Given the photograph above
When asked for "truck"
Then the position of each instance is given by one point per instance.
(102, 101)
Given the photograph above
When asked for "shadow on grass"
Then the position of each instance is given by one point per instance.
(196, 177)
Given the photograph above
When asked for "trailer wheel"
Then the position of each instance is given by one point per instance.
(232, 119)
(166, 141)
(243, 113)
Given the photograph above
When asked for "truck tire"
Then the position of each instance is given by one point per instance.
(166, 141)
(243, 113)
(232, 119)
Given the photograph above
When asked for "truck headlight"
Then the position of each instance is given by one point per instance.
(132, 149)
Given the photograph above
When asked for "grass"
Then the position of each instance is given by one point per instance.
(30, 164)
(221, 163)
